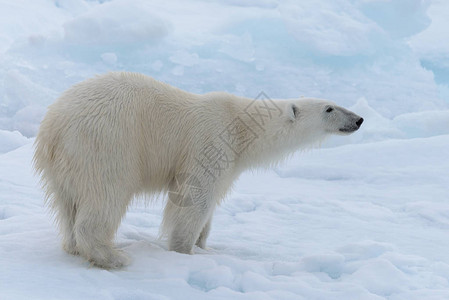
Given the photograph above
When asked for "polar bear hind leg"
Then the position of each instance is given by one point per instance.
(95, 226)
(65, 211)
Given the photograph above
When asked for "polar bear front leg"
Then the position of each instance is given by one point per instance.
(186, 214)
(201, 242)
(187, 225)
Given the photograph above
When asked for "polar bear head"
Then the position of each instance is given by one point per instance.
(311, 120)
(322, 117)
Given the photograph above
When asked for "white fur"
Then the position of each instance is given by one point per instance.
(121, 134)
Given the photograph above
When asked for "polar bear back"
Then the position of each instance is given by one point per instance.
(131, 122)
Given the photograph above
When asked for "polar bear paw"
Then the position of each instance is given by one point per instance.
(109, 258)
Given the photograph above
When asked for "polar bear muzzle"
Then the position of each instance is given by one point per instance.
(352, 126)
(342, 120)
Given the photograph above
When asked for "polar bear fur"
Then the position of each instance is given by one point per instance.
(115, 136)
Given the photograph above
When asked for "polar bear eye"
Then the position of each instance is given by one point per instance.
(329, 109)
(295, 111)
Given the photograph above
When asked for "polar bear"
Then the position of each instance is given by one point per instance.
(118, 135)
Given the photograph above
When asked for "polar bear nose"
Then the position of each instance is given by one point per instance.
(359, 122)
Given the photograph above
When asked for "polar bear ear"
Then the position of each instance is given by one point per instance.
(292, 111)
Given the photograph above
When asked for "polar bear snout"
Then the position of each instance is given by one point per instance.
(349, 121)
(352, 126)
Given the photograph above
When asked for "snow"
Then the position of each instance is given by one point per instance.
(364, 217)
(366, 221)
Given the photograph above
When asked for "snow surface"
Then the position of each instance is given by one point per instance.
(367, 221)
(365, 217)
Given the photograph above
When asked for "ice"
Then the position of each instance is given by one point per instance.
(380, 277)
(184, 58)
(423, 124)
(411, 14)
(337, 28)
(392, 53)
(116, 22)
(360, 221)
(239, 47)
(109, 58)
(11, 140)
(364, 217)
(427, 43)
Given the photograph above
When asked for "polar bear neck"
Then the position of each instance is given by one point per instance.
(264, 133)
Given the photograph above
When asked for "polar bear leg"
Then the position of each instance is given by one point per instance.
(201, 242)
(65, 215)
(96, 222)
(184, 224)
